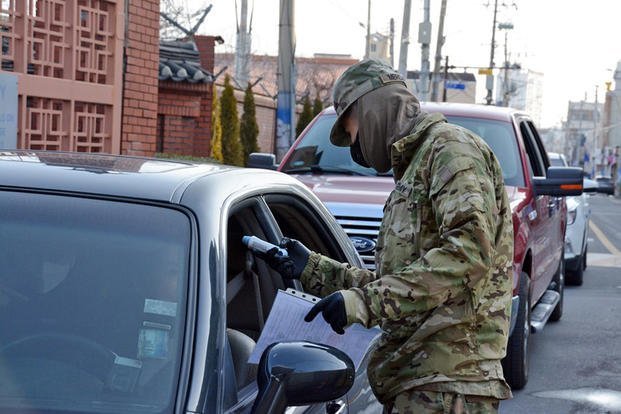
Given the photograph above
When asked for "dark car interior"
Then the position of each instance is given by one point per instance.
(251, 284)
(91, 310)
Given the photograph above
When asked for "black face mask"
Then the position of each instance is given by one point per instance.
(356, 153)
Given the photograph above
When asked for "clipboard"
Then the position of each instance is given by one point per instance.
(286, 323)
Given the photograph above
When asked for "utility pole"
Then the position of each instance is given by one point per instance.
(446, 66)
(424, 38)
(438, 62)
(405, 39)
(285, 106)
(392, 43)
(595, 143)
(505, 83)
(489, 83)
(242, 52)
(367, 51)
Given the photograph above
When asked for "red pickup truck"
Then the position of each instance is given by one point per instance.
(356, 196)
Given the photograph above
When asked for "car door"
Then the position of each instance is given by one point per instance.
(556, 210)
(272, 216)
(540, 216)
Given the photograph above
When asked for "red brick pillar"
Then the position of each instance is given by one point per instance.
(205, 46)
(139, 125)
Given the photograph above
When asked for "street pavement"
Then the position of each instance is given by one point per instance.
(575, 364)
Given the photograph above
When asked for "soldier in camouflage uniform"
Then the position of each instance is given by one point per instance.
(441, 292)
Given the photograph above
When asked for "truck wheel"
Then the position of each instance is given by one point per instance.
(559, 281)
(515, 364)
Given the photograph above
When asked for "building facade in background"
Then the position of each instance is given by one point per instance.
(67, 56)
(379, 48)
(611, 130)
(460, 86)
(582, 125)
(521, 89)
(91, 78)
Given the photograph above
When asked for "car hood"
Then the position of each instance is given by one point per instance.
(348, 189)
(370, 190)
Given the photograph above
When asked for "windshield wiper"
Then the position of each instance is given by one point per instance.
(316, 169)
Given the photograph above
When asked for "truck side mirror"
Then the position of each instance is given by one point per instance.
(301, 373)
(560, 182)
(262, 160)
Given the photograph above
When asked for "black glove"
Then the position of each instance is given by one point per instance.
(332, 307)
(289, 267)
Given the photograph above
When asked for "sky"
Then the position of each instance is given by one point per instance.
(575, 44)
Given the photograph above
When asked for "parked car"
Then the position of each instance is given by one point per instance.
(576, 236)
(606, 185)
(356, 197)
(125, 287)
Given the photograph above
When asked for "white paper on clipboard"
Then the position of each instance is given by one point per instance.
(286, 323)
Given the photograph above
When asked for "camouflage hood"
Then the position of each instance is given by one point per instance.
(385, 115)
(403, 150)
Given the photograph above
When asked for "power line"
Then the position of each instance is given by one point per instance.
(348, 14)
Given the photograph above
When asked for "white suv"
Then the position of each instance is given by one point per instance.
(576, 236)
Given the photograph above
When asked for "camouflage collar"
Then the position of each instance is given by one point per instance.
(404, 149)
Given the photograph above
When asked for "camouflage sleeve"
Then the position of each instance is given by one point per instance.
(463, 203)
(323, 275)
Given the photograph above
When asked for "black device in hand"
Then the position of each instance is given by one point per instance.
(292, 265)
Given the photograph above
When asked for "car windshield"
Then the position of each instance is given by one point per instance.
(92, 304)
(316, 154)
(501, 139)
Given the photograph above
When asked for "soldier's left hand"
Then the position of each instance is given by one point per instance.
(332, 307)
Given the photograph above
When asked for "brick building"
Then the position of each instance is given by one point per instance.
(89, 78)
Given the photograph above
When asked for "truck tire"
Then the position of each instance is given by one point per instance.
(559, 282)
(515, 364)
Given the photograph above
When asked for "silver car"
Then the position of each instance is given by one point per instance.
(125, 288)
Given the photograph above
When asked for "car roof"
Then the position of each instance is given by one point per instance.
(491, 112)
(102, 174)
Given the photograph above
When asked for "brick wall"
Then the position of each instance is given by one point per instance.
(266, 119)
(205, 46)
(184, 118)
(179, 135)
(140, 94)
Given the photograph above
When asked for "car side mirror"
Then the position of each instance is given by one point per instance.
(301, 373)
(262, 160)
(560, 182)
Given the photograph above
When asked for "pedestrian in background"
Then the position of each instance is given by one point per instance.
(441, 292)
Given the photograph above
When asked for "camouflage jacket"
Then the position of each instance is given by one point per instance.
(441, 292)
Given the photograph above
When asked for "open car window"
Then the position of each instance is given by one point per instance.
(251, 284)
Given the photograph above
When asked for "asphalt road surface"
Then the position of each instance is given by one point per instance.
(575, 364)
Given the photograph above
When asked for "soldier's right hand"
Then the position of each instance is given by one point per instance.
(289, 267)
